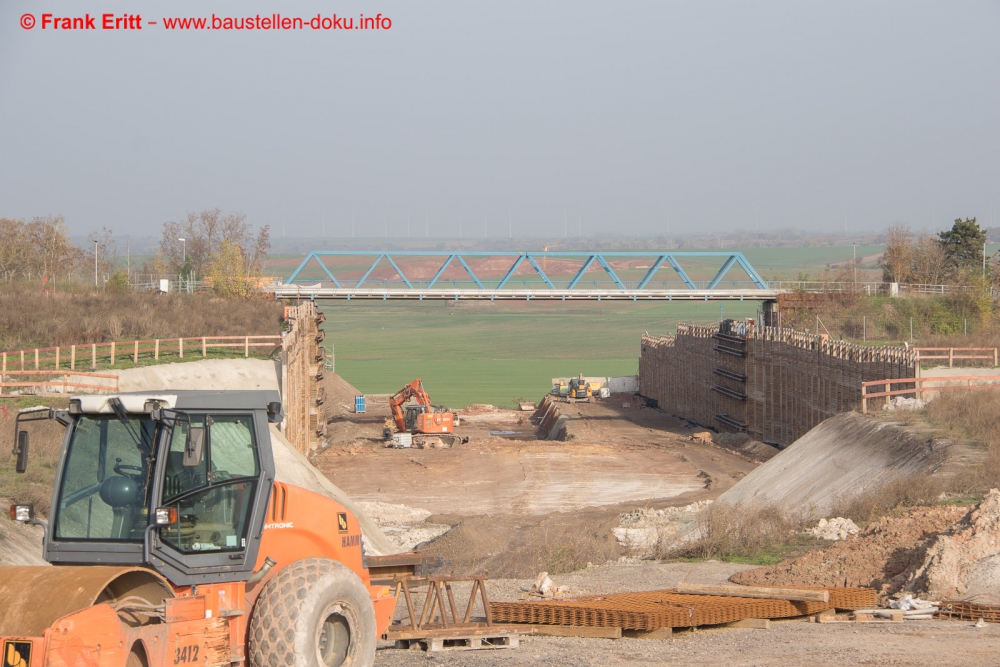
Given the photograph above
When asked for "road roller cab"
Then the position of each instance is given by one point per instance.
(174, 545)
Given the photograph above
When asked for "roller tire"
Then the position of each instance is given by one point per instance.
(303, 607)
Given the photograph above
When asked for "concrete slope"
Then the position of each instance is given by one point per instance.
(204, 374)
(840, 457)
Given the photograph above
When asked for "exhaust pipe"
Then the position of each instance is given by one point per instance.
(261, 573)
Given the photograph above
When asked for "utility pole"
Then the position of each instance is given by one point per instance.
(95, 262)
(855, 262)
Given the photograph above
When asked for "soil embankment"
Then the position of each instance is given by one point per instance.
(843, 456)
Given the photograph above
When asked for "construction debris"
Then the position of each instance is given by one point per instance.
(834, 529)
(902, 403)
(644, 531)
(544, 588)
(881, 556)
(964, 562)
(703, 437)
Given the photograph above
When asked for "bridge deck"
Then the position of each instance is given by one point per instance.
(321, 292)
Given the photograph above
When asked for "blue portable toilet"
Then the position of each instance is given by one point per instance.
(359, 403)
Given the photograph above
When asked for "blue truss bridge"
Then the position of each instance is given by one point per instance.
(563, 276)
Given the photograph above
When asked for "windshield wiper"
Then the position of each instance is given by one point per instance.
(119, 410)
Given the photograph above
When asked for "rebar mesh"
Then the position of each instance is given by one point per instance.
(650, 610)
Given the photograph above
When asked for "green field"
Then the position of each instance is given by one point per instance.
(469, 352)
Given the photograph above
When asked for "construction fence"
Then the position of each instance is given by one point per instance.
(93, 355)
(774, 384)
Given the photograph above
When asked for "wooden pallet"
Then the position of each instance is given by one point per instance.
(456, 640)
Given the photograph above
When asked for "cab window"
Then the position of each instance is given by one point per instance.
(213, 498)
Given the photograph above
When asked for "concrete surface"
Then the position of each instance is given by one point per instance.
(846, 453)
(204, 374)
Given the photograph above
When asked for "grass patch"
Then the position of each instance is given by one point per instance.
(495, 352)
(971, 416)
(752, 533)
(890, 498)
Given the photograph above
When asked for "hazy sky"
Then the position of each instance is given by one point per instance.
(625, 116)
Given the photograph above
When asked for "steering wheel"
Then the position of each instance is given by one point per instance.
(126, 470)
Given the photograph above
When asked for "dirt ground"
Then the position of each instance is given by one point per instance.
(518, 504)
(881, 556)
(788, 642)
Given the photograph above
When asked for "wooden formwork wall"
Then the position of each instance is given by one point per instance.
(774, 384)
(302, 355)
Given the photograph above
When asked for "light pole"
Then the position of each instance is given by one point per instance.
(184, 253)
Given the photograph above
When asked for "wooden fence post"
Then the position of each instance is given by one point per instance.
(72, 357)
(36, 358)
(951, 357)
(93, 355)
(22, 360)
(180, 347)
(156, 350)
(4, 363)
(135, 356)
(57, 357)
(864, 399)
(204, 348)
(112, 353)
(994, 357)
(246, 346)
(888, 388)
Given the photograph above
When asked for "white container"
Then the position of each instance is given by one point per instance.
(402, 440)
(604, 392)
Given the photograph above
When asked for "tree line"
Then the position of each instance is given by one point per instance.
(955, 256)
(221, 247)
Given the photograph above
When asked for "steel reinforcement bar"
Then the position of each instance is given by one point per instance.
(652, 610)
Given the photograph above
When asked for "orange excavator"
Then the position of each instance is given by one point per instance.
(427, 426)
(175, 546)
